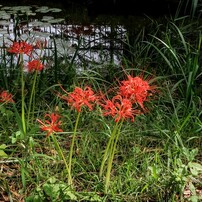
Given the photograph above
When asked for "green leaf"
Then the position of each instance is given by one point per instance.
(34, 198)
(194, 199)
(2, 153)
(51, 190)
(195, 168)
(192, 188)
(52, 180)
(2, 109)
(59, 190)
(90, 196)
(195, 165)
(2, 147)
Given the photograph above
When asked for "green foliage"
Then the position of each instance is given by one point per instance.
(181, 59)
(156, 158)
(54, 190)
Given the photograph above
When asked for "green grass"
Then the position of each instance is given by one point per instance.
(157, 158)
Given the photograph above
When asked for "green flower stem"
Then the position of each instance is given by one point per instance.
(23, 96)
(32, 101)
(106, 154)
(31, 96)
(111, 155)
(61, 155)
(72, 143)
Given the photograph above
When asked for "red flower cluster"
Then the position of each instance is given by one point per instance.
(21, 48)
(35, 65)
(51, 125)
(79, 98)
(131, 91)
(6, 97)
(136, 89)
(119, 108)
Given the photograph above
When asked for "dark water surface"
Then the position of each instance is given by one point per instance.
(94, 31)
(110, 7)
(86, 44)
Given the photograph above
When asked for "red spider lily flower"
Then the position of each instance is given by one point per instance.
(35, 65)
(6, 97)
(21, 48)
(119, 108)
(136, 89)
(109, 108)
(52, 125)
(80, 97)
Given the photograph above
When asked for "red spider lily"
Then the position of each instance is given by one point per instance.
(6, 97)
(21, 48)
(136, 89)
(119, 108)
(35, 65)
(80, 97)
(52, 125)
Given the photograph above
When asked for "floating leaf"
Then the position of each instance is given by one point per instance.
(47, 18)
(6, 8)
(55, 10)
(43, 9)
(4, 22)
(46, 24)
(21, 8)
(4, 15)
(54, 21)
(30, 14)
(36, 24)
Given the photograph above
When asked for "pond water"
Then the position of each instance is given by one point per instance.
(88, 45)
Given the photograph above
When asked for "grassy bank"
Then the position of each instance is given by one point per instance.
(131, 135)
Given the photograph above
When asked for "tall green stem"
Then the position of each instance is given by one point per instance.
(31, 97)
(72, 143)
(106, 154)
(61, 155)
(23, 96)
(111, 155)
(32, 101)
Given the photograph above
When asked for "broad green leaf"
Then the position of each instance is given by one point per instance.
(3, 154)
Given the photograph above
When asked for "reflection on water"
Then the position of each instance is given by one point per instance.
(87, 45)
